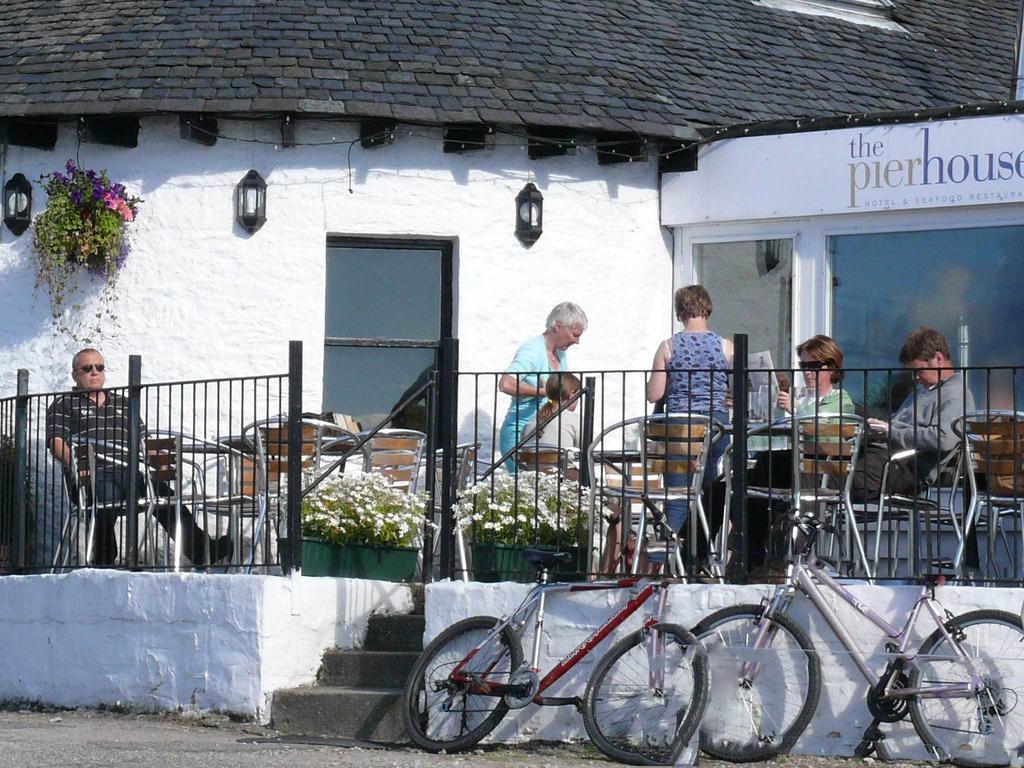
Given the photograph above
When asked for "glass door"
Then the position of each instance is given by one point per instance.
(388, 306)
(751, 288)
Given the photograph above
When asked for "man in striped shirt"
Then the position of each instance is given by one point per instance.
(91, 415)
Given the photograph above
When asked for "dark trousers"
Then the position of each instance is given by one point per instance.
(767, 524)
(111, 491)
(867, 486)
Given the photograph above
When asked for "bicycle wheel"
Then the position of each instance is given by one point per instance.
(986, 728)
(440, 713)
(763, 693)
(647, 695)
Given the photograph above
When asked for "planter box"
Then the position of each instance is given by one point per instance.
(356, 561)
(504, 562)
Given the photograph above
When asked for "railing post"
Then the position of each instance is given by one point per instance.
(20, 469)
(291, 556)
(738, 502)
(132, 457)
(447, 407)
(433, 503)
(589, 387)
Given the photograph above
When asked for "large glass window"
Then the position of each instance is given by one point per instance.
(750, 283)
(388, 305)
(967, 283)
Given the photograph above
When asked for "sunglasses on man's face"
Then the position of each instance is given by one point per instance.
(89, 368)
(811, 365)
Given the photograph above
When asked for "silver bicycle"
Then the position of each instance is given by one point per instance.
(963, 688)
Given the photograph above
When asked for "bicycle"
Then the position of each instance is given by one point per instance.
(642, 704)
(962, 688)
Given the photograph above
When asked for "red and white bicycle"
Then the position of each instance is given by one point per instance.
(643, 703)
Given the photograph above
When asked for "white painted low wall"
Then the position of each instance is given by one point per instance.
(161, 641)
(842, 712)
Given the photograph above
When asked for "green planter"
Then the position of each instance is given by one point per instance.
(356, 561)
(504, 562)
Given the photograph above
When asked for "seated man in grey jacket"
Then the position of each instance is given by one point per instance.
(923, 422)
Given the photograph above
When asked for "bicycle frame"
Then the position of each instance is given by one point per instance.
(534, 602)
(805, 575)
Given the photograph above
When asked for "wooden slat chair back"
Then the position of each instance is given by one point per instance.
(674, 447)
(163, 459)
(997, 453)
(397, 454)
(827, 452)
(546, 459)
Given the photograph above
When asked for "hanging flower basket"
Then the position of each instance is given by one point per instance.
(84, 225)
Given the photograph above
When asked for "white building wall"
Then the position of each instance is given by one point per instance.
(199, 297)
(169, 642)
(842, 713)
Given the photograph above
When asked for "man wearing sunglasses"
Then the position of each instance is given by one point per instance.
(94, 415)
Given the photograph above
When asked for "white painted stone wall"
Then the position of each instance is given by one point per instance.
(167, 642)
(842, 712)
(202, 298)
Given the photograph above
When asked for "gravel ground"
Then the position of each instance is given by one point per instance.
(87, 738)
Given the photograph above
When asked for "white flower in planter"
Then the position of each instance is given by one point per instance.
(364, 508)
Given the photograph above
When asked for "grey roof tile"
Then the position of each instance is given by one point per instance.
(654, 66)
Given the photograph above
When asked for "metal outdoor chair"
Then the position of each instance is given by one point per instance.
(911, 514)
(322, 444)
(173, 480)
(826, 448)
(669, 444)
(84, 507)
(465, 475)
(993, 468)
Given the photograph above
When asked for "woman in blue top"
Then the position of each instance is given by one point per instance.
(690, 372)
(525, 376)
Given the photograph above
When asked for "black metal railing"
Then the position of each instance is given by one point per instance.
(897, 494)
(222, 467)
(193, 493)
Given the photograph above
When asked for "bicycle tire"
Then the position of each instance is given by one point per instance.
(424, 702)
(995, 641)
(626, 719)
(776, 716)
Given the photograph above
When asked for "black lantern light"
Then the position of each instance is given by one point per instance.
(529, 215)
(251, 202)
(17, 204)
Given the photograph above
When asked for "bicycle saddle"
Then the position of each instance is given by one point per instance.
(544, 557)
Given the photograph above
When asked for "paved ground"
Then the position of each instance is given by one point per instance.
(89, 739)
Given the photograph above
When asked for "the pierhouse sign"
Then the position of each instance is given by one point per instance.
(977, 161)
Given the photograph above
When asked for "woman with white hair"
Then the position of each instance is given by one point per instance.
(526, 375)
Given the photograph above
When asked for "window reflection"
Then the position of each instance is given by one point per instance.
(368, 382)
(966, 283)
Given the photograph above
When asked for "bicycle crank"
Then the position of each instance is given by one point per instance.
(892, 708)
(522, 687)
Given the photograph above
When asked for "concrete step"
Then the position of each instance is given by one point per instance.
(357, 669)
(351, 713)
(395, 633)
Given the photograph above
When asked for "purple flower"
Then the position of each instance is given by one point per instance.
(71, 167)
(76, 197)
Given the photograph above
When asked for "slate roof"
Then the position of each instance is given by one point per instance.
(657, 67)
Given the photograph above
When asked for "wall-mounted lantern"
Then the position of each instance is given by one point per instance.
(17, 204)
(529, 215)
(251, 202)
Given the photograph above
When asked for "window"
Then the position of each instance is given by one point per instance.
(966, 283)
(388, 305)
(750, 283)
